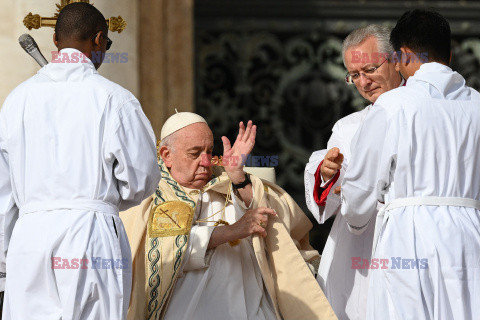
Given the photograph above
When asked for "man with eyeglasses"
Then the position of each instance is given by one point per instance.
(342, 276)
(418, 152)
(75, 148)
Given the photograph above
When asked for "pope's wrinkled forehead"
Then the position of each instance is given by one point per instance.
(196, 135)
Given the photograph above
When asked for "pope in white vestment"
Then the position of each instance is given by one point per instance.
(418, 151)
(207, 246)
(75, 148)
(221, 283)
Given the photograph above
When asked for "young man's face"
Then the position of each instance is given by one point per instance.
(364, 57)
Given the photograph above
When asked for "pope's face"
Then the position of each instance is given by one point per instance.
(364, 57)
(189, 160)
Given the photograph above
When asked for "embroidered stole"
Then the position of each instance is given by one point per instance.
(168, 232)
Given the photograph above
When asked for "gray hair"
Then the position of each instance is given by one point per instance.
(357, 36)
(169, 141)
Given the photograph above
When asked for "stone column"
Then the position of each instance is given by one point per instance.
(165, 58)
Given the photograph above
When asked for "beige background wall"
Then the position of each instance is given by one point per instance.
(17, 66)
(158, 40)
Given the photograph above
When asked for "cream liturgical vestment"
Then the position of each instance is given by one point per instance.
(176, 277)
(418, 151)
(75, 148)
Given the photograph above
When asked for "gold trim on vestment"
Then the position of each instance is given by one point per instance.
(170, 218)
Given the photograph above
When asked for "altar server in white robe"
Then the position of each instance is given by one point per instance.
(418, 152)
(75, 148)
(365, 52)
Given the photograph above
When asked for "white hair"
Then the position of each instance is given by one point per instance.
(169, 141)
(357, 36)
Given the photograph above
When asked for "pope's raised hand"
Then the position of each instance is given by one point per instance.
(331, 163)
(234, 156)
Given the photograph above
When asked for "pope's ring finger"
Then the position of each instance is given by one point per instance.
(262, 224)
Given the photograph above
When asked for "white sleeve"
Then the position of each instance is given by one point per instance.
(368, 177)
(333, 202)
(8, 207)
(132, 148)
(198, 256)
(315, 159)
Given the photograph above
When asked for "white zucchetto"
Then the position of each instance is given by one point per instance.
(178, 121)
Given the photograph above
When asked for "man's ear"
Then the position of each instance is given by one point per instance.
(450, 60)
(96, 41)
(406, 55)
(55, 42)
(166, 155)
(395, 60)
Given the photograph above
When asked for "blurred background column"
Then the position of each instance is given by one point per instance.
(165, 58)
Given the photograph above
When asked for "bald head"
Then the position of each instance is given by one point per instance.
(79, 21)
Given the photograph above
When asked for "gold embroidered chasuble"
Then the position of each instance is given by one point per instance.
(158, 231)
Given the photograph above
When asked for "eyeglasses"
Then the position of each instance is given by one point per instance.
(109, 42)
(351, 78)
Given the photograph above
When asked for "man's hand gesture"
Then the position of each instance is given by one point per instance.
(233, 157)
(253, 221)
(331, 164)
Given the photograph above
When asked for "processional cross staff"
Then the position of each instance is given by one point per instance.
(35, 21)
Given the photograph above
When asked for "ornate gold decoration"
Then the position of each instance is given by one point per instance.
(117, 24)
(63, 3)
(32, 21)
(170, 218)
(35, 21)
